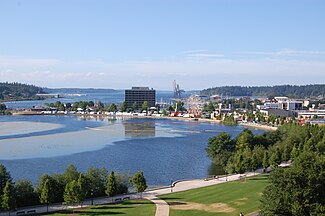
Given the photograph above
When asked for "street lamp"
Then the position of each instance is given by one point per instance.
(92, 197)
(226, 175)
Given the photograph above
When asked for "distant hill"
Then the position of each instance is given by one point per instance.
(294, 91)
(78, 90)
(19, 91)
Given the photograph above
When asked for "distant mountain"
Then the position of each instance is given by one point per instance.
(294, 91)
(78, 90)
(19, 91)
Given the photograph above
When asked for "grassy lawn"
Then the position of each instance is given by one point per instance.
(229, 198)
(131, 208)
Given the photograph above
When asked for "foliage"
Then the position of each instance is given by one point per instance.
(112, 108)
(96, 181)
(4, 178)
(111, 187)
(295, 91)
(139, 182)
(123, 107)
(135, 106)
(145, 106)
(18, 91)
(297, 190)
(71, 193)
(25, 194)
(8, 197)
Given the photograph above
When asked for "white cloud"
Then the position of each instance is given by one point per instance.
(191, 74)
(10, 61)
(289, 52)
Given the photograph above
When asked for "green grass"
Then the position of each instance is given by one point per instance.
(236, 196)
(131, 208)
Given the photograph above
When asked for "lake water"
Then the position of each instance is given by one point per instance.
(164, 149)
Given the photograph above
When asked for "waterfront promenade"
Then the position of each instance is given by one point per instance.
(162, 208)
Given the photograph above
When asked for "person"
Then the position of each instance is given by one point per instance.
(241, 214)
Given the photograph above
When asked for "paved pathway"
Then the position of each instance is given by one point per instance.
(162, 207)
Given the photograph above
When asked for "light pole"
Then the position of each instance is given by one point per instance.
(226, 175)
(171, 185)
(92, 197)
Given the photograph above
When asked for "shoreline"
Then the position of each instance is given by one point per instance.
(213, 121)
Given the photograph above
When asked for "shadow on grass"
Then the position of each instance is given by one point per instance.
(259, 178)
(176, 203)
(170, 198)
(111, 207)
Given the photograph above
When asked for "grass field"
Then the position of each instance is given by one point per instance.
(229, 198)
(127, 208)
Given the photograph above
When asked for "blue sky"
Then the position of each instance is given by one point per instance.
(124, 43)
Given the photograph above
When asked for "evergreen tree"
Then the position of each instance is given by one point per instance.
(72, 193)
(82, 187)
(123, 107)
(266, 163)
(275, 158)
(47, 193)
(111, 187)
(71, 173)
(4, 178)
(8, 197)
(135, 106)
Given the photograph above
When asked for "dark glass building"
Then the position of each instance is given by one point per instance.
(140, 95)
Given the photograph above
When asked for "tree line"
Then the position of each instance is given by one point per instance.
(71, 187)
(19, 91)
(294, 91)
(297, 190)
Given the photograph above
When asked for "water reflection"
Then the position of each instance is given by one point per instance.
(141, 129)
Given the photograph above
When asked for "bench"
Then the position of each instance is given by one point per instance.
(20, 213)
(118, 200)
(31, 212)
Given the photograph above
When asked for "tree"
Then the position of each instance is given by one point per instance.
(71, 173)
(123, 107)
(25, 194)
(71, 193)
(244, 139)
(218, 144)
(139, 182)
(145, 106)
(111, 187)
(275, 158)
(240, 166)
(82, 188)
(298, 189)
(47, 195)
(4, 178)
(254, 163)
(8, 197)
(96, 180)
(112, 108)
(135, 106)
(266, 163)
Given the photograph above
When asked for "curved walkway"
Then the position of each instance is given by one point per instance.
(162, 207)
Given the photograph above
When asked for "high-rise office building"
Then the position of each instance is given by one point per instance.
(140, 95)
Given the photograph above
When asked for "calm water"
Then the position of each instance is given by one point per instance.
(163, 149)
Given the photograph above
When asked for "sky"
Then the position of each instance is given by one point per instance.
(199, 43)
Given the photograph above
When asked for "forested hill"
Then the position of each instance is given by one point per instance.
(294, 91)
(78, 90)
(18, 91)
